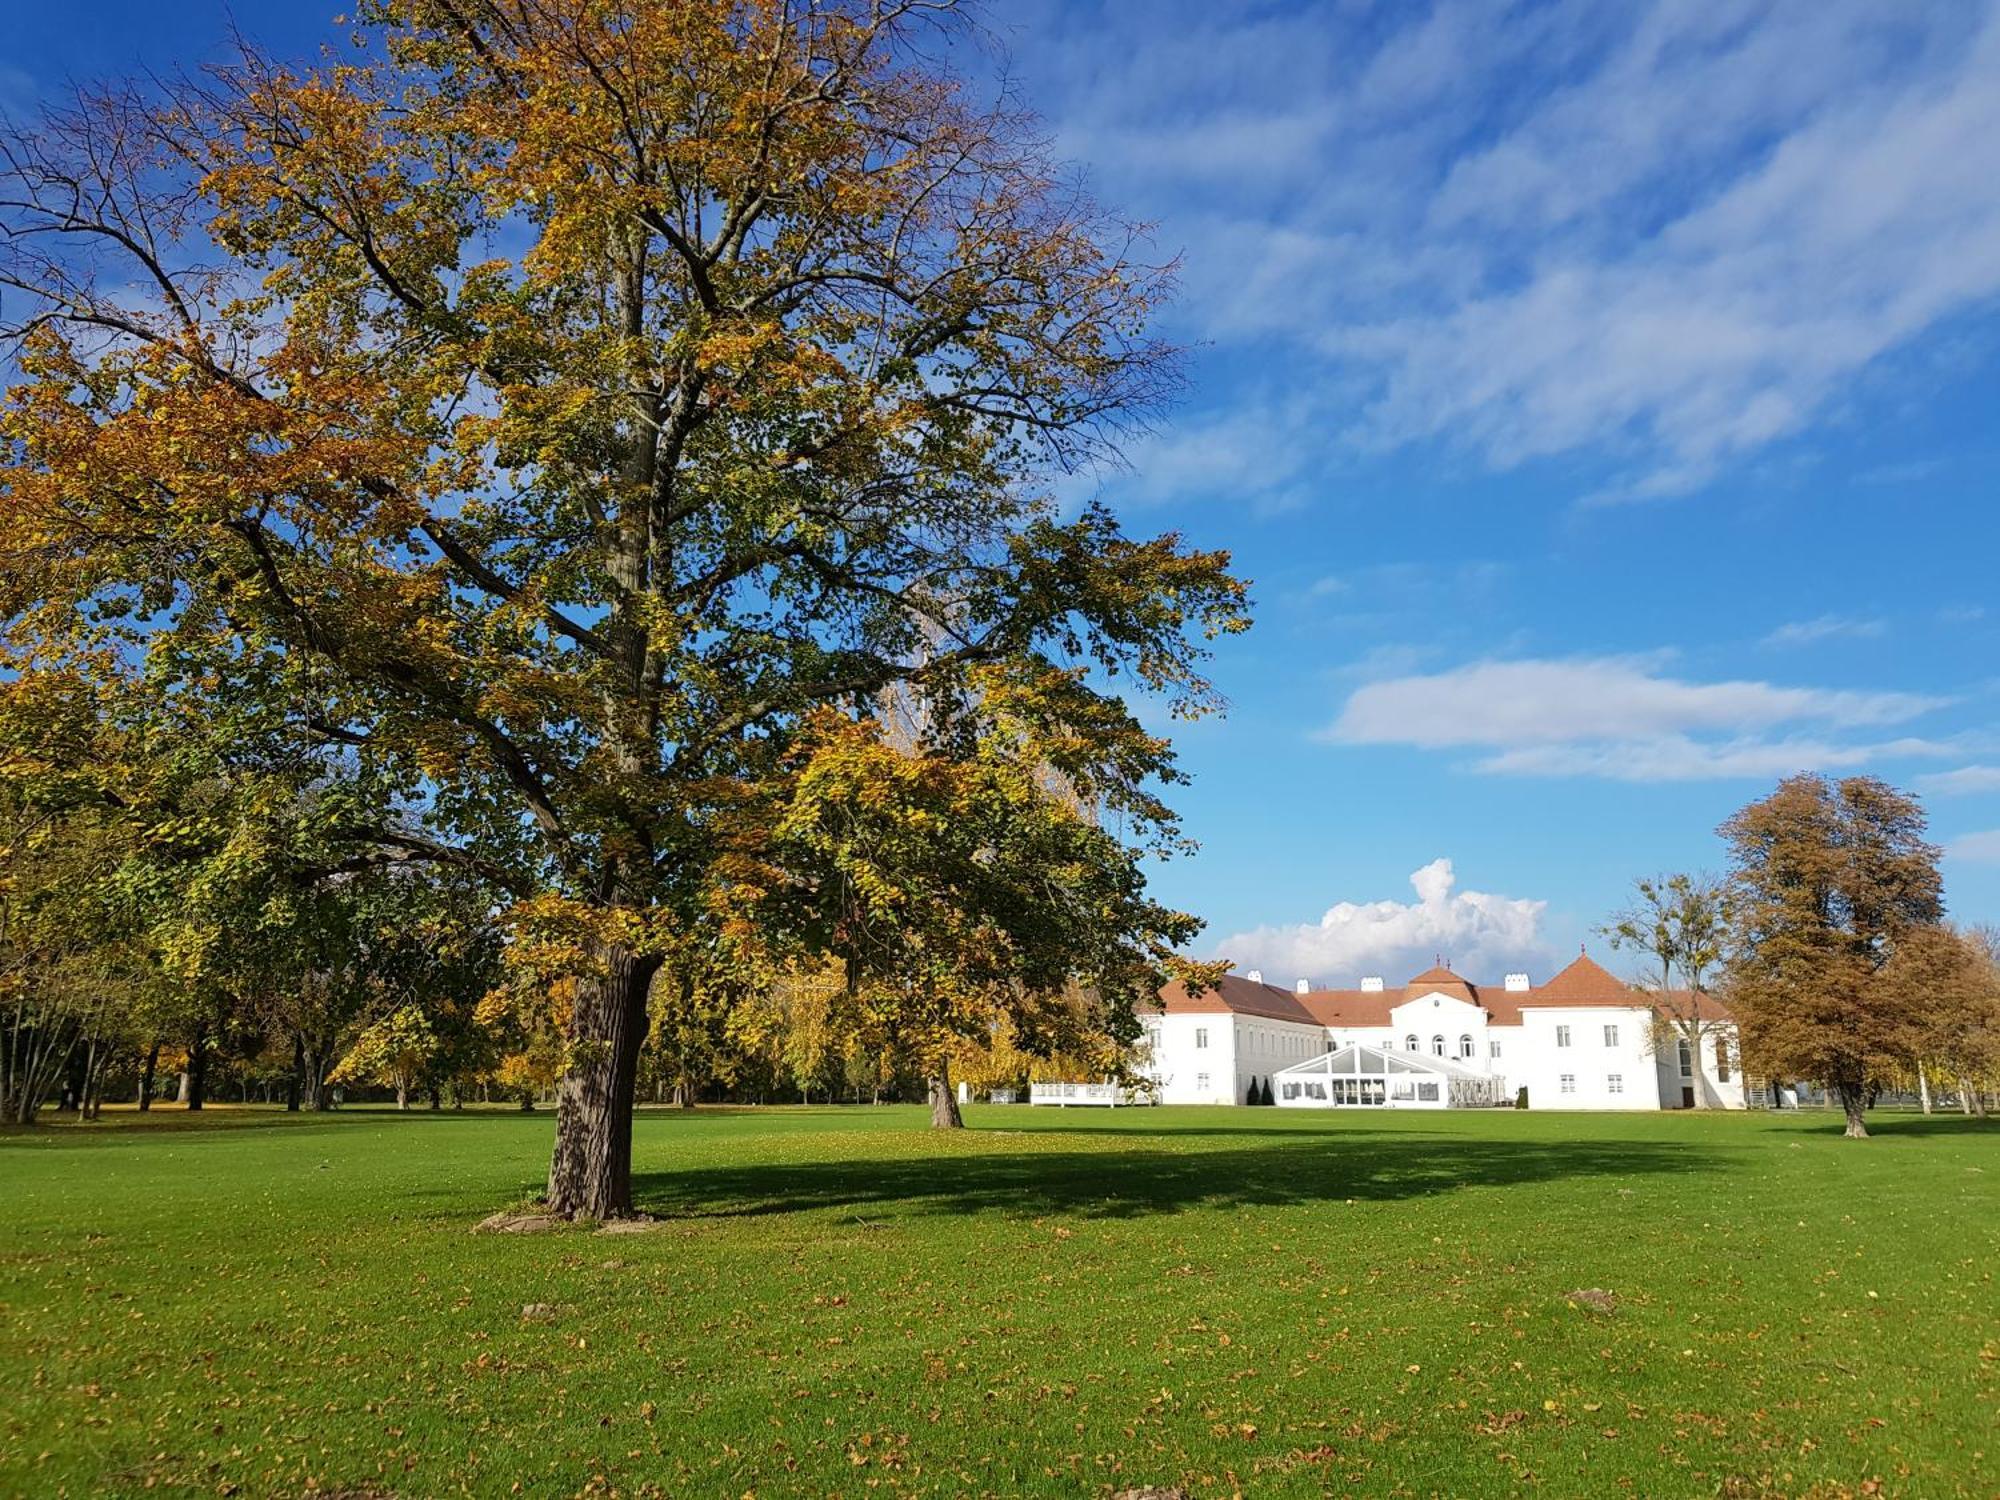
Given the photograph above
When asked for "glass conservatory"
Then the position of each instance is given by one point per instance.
(1384, 1078)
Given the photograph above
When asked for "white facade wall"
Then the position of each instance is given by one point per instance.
(1586, 1057)
(1678, 1082)
(1435, 1021)
(1210, 1059)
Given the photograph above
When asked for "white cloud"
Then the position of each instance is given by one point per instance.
(1679, 758)
(1825, 628)
(1620, 717)
(1480, 935)
(1976, 848)
(1965, 779)
(1662, 235)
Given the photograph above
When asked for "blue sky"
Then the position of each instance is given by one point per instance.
(1602, 399)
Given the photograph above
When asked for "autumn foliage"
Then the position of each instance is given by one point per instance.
(573, 421)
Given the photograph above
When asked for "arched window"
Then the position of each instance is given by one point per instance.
(1465, 1046)
(1410, 1043)
(1437, 1046)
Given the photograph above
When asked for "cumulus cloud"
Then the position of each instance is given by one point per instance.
(1482, 936)
(1622, 717)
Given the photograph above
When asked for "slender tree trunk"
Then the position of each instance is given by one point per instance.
(590, 1172)
(1853, 1100)
(295, 1085)
(148, 1066)
(944, 1103)
(402, 1093)
(437, 1096)
(1923, 1087)
(197, 1073)
(1971, 1098)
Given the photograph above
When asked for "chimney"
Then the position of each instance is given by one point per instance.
(1371, 984)
(1516, 983)
(1256, 976)
(1304, 986)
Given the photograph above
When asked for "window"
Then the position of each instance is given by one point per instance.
(1465, 1046)
(1687, 1061)
(1437, 1046)
(1427, 1093)
(1569, 1083)
(1495, 1045)
(1614, 1083)
(1409, 1044)
(1201, 1082)
(1289, 1090)
(1201, 1039)
(1722, 1059)
(1562, 1036)
(1611, 1036)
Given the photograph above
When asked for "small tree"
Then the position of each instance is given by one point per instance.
(1828, 877)
(1681, 923)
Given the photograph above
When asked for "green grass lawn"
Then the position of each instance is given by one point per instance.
(1051, 1303)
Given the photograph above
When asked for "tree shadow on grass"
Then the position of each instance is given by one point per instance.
(1124, 1183)
(1954, 1124)
(57, 1132)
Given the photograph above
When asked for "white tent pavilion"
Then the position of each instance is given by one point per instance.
(1385, 1078)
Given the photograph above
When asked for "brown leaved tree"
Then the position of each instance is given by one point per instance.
(1829, 877)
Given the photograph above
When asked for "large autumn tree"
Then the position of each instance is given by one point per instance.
(1830, 877)
(561, 405)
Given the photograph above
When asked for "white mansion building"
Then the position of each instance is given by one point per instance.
(1584, 1039)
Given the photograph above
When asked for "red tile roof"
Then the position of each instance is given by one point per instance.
(1350, 1007)
(1237, 996)
(1584, 983)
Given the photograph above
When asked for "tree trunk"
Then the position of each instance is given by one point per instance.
(197, 1073)
(1923, 1087)
(295, 1085)
(590, 1172)
(402, 1094)
(147, 1069)
(437, 1096)
(944, 1103)
(1852, 1100)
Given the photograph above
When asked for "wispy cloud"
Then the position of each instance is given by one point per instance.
(1661, 236)
(1826, 628)
(1975, 848)
(1963, 781)
(1482, 935)
(1623, 718)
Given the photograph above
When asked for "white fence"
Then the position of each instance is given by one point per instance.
(1104, 1094)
